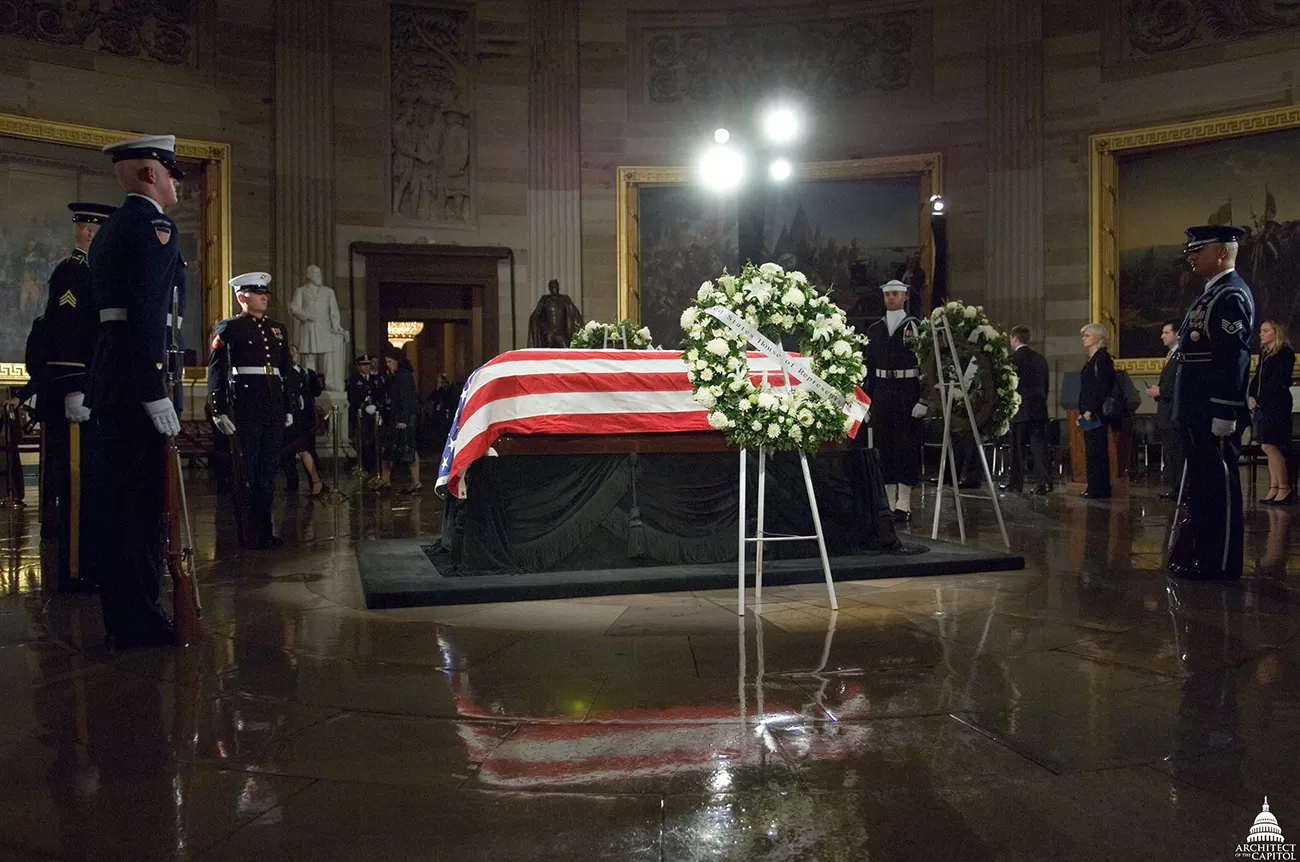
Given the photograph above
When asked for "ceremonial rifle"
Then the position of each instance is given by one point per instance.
(186, 608)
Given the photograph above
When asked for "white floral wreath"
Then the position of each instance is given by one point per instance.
(774, 302)
(623, 335)
(985, 354)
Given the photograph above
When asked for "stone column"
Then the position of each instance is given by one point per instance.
(1014, 244)
(304, 149)
(554, 192)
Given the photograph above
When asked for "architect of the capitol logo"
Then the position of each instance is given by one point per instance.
(1265, 839)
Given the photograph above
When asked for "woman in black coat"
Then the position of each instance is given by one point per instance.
(1097, 381)
(401, 416)
(302, 386)
(1270, 408)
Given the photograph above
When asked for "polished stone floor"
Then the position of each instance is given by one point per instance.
(1083, 709)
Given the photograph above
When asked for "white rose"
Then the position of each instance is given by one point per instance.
(793, 297)
(798, 276)
(771, 269)
(705, 399)
(952, 306)
(806, 417)
(733, 362)
(693, 354)
(718, 421)
(1013, 380)
(644, 332)
(591, 326)
(826, 354)
(689, 316)
(766, 400)
(774, 430)
(841, 348)
(718, 347)
(970, 312)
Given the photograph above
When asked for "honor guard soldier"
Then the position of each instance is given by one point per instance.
(367, 392)
(246, 371)
(1210, 404)
(70, 329)
(894, 386)
(133, 262)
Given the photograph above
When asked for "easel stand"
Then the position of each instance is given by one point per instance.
(950, 391)
(759, 538)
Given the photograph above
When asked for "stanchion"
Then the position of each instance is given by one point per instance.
(336, 492)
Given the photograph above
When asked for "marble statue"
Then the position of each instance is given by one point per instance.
(320, 337)
(554, 320)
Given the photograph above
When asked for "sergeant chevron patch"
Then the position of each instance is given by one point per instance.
(1233, 327)
(68, 299)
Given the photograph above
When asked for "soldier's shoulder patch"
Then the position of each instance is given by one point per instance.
(1232, 327)
(162, 229)
(217, 342)
(69, 299)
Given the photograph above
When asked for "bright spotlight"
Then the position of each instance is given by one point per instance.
(722, 168)
(780, 170)
(780, 125)
(936, 204)
(722, 136)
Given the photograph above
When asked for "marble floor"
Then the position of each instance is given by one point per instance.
(1083, 709)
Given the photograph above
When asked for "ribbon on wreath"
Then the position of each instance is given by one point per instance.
(801, 371)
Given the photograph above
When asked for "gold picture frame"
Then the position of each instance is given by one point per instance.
(1105, 152)
(927, 167)
(214, 157)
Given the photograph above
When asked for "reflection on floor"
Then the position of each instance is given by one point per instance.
(1081, 709)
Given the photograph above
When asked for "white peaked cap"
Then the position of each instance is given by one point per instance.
(251, 282)
(166, 143)
(893, 285)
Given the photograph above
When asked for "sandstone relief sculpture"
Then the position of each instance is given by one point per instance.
(162, 30)
(830, 57)
(431, 103)
(1153, 27)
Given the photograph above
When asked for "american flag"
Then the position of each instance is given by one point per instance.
(576, 392)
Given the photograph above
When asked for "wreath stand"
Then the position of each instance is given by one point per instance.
(759, 538)
(950, 391)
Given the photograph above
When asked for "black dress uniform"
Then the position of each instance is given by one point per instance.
(1171, 436)
(246, 371)
(894, 386)
(366, 391)
(1214, 365)
(1029, 425)
(71, 325)
(133, 261)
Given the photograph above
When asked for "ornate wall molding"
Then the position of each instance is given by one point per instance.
(1156, 27)
(825, 56)
(161, 30)
(431, 108)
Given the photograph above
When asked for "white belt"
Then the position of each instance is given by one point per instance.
(255, 369)
(897, 374)
(119, 314)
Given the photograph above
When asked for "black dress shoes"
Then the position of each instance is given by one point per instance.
(271, 542)
(1042, 490)
(162, 636)
(1168, 495)
(1012, 489)
(901, 516)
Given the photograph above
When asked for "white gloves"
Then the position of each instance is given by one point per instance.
(163, 414)
(73, 408)
(919, 411)
(223, 423)
(370, 410)
(1223, 427)
(288, 419)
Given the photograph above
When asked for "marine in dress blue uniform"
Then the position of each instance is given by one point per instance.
(246, 371)
(70, 329)
(133, 263)
(894, 386)
(1210, 404)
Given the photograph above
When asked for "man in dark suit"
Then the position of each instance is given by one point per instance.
(1210, 405)
(133, 261)
(1030, 422)
(1171, 435)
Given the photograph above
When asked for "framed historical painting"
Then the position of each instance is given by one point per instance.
(1148, 185)
(849, 226)
(44, 166)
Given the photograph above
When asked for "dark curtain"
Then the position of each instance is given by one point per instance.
(537, 513)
